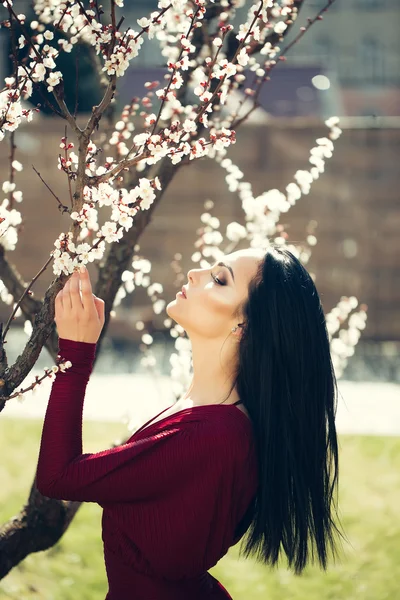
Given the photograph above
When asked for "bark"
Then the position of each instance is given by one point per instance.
(38, 526)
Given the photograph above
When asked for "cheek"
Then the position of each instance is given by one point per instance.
(213, 306)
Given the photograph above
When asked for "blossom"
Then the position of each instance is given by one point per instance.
(189, 126)
(243, 57)
(53, 80)
(332, 121)
(39, 72)
(146, 193)
(235, 232)
(144, 22)
(8, 187)
(65, 45)
(280, 27)
(48, 62)
(16, 165)
(243, 30)
(110, 232)
(141, 138)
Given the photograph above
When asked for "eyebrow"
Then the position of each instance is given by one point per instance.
(222, 264)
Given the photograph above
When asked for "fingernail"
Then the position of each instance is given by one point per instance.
(83, 269)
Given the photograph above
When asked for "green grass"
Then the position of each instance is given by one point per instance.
(369, 567)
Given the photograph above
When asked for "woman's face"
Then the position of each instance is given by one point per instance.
(209, 307)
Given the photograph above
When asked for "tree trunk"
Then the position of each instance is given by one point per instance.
(38, 526)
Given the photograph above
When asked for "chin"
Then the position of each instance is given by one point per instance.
(169, 309)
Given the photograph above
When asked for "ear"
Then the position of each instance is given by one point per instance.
(239, 331)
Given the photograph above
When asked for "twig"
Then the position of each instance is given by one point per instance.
(67, 6)
(23, 296)
(64, 109)
(66, 157)
(76, 83)
(100, 108)
(12, 169)
(241, 45)
(38, 87)
(61, 205)
(65, 112)
(113, 29)
(38, 381)
(173, 73)
(281, 57)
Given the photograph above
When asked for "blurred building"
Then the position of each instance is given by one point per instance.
(347, 64)
(355, 205)
(359, 43)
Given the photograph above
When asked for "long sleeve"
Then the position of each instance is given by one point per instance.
(141, 469)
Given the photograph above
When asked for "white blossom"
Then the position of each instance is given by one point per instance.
(53, 80)
(17, 165)
(243, 57)
(235, 232)
(189, 126)
(280, 27)
(39, 72)
(8, 187)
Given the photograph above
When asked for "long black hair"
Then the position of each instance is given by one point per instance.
(287, 383)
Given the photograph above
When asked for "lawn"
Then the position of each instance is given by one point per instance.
(369, 568)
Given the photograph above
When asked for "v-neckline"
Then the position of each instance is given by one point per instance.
(149, 423)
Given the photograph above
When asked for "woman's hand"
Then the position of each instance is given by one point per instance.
(79, 316)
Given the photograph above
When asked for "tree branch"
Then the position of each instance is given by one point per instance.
(260, 81)
(43, 521)
(100, 108)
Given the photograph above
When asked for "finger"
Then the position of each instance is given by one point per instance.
(66, 300)
(58, 302)
(74, 294)
(87, 293)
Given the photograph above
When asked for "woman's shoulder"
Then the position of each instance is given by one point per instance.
(222, 429)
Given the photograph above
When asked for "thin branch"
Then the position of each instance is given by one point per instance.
(12, 169)
(60, 101)
(65, 111)
(23, 296)
(124, 164)
(68, 177)
(57, 26)
(100, 108)
(241, 45)
(111, 45)
(76, 84)
(38, 87)
(62, 208)
(192, 22)
(281, 57)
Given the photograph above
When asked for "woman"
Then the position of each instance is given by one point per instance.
(251, 448)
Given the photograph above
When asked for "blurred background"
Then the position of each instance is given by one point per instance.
(346, 65)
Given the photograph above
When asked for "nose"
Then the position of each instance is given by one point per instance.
(191, 275)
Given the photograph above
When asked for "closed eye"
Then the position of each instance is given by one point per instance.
(217, 280)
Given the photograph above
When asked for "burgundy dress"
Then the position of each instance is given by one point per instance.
(175, 496)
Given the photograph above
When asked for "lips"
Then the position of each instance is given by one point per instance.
(183, 292)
